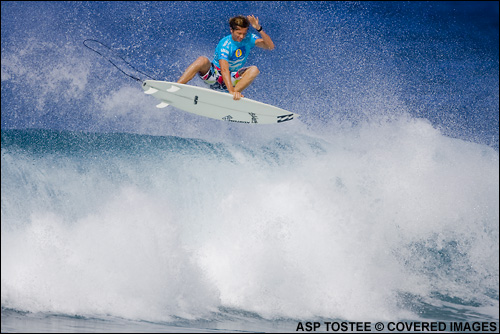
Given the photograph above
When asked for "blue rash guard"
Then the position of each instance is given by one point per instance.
(236, 53)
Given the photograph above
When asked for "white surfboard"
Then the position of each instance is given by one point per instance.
(214, 104)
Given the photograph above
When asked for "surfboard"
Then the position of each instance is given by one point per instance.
(219, 105)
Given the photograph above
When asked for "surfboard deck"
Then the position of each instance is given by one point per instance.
(214, 104)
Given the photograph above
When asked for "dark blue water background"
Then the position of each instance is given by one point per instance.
(333, 61)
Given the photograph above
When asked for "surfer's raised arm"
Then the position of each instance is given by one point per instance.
(265, 42)
(226, 72)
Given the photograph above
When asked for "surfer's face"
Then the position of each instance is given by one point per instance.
(239, 33)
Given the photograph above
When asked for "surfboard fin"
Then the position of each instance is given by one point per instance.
(150, 91)
(173, 89)
(163, 104)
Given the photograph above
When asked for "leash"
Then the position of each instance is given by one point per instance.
(116, 55)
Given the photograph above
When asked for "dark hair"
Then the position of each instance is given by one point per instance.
(239, 21)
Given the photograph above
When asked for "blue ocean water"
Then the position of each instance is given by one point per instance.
(380, 203)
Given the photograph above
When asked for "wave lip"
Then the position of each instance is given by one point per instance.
(158, 228)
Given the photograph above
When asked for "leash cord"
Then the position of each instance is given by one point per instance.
(126, 62)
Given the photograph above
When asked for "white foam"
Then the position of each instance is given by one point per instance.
(338, 226)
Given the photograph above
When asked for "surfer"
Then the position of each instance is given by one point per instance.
(226, 72)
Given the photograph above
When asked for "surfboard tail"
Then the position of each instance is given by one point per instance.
(163, 104)
(173, 89)
(150, 91)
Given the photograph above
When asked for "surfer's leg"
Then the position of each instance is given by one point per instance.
(246, 78)
(200, 66)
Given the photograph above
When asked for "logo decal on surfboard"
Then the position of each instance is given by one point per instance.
(254, 117)
(285, 118)
(196, 99)
(229, 118)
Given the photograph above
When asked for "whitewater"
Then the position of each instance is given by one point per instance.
(379, 204)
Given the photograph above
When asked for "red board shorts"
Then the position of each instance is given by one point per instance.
(213, 78)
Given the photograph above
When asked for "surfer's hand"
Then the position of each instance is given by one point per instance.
(254, 21)
(237, 95)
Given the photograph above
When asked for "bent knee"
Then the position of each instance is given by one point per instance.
(203, 60)
(255, 69)
(202, 64)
